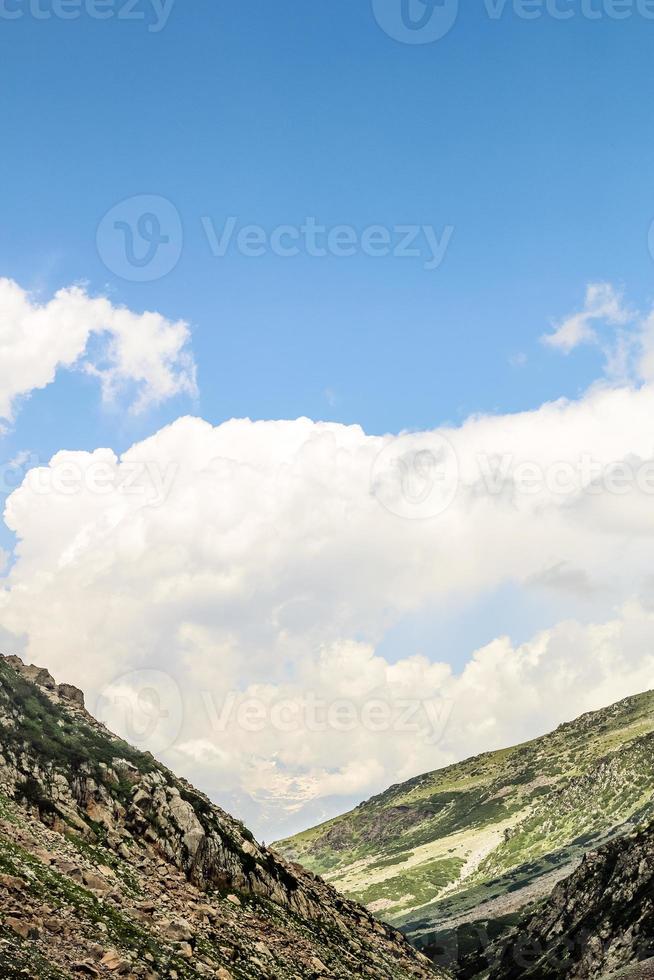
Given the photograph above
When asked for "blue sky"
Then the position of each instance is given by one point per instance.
(532, 138)
(532, 141)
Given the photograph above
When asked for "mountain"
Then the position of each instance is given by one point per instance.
(112, 866)
(598, 922)
(455, 856)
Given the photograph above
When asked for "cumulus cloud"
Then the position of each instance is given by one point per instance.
(258, 566)
(414, 716)
(225, 594)
(143, 355)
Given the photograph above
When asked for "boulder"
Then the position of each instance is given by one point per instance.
(114, 962)
(71, 693)
(23, 927)
(178, 930)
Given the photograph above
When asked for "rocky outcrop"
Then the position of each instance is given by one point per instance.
(597, 922)
(124, 869)
(71, 693)
(37, 675)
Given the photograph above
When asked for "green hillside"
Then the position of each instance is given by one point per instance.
(482, 838)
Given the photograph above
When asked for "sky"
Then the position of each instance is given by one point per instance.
(413, 246)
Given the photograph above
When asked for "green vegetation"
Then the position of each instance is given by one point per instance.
(19, 960)
(482, 837)
(421, 885)
(55, 736)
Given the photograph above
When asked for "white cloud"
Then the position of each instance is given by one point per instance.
(505, 694)
(625, 336)
(263, 567)
(603, 304)
(252, 567)
(144, 354)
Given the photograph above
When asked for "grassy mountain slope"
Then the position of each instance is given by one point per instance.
(112, 866)
(480, 839)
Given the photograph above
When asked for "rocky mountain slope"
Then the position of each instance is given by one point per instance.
(599, 922)
(466, 848)
(112, 866)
